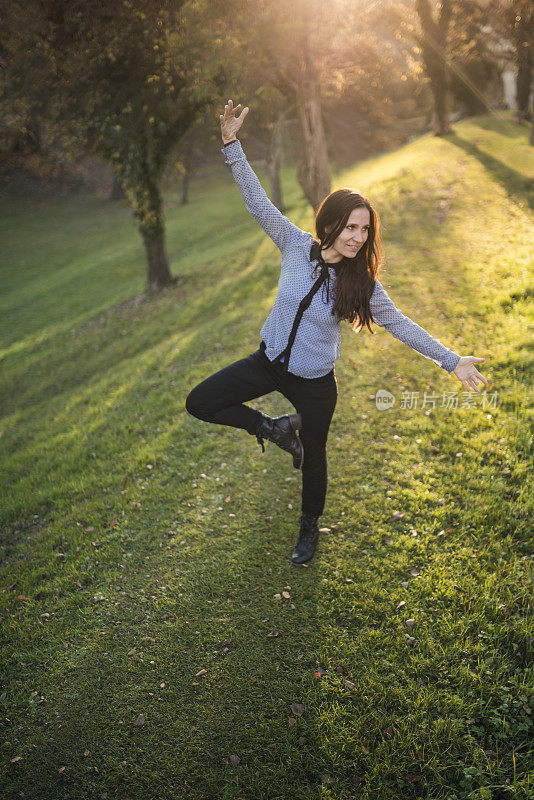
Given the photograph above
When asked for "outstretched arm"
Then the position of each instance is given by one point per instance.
(386, 314)
(274, 223)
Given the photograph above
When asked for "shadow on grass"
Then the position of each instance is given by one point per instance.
(507, 127)
(512, 180)
(115, 669)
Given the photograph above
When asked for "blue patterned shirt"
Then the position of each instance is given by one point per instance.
(318, 339)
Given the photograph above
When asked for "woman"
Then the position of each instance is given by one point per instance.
(321, 283)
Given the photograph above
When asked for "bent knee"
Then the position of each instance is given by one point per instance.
(193, 406)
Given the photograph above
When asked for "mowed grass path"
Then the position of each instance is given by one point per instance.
(145, 653)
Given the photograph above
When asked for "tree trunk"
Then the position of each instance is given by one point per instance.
(158, 264)
(313, 173)
(187, 163)
(146, 200)
(532, 127)
(117, 191)
(275, 163)
(439, 92)
(434, 51)
(185, 186)
(524, 78)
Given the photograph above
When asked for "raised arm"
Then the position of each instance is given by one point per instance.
(274, 223)
(386, 314)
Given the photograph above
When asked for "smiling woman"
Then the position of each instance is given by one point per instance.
(301, 336)
(348, 228)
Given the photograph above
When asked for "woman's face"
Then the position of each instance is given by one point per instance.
(354, 234)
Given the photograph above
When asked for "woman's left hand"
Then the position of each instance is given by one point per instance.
(468, 374)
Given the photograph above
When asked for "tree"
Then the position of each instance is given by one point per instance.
(513, 20)
(126, 80)
(433, 42)
(474, 74)
(310, 55)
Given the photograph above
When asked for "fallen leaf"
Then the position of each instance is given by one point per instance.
(272, 634)
(297, 709)
(413, 778)
(286, 595)
(209, 753)
(277, 596)
(414, 571)
(397, 515)
(61, 769)
(140, 720)
(235, 760)
(292, 721)
(201, 672)
(401, 604)
(390, 732)
(410, 623)
(301, 740)
(17, 758)
(350, 685)
(327, 779)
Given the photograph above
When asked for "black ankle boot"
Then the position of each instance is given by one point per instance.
(307, 541)
(283, 431)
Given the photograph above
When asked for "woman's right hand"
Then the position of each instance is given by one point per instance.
(229, 123)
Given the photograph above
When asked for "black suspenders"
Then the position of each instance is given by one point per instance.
(304, 304)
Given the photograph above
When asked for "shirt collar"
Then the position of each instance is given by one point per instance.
(315, 252)
(316, 255)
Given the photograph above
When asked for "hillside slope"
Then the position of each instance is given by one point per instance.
(141, 546)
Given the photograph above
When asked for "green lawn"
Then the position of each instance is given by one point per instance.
(143, 549)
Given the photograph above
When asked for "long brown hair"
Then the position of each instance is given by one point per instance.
(356, 276)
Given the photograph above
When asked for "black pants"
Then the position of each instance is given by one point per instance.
(220, 399)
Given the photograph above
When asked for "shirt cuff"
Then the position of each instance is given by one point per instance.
(232, 152)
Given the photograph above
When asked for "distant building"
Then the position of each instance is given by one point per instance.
(509, 87)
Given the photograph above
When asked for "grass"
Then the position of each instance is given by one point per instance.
(141, 546)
